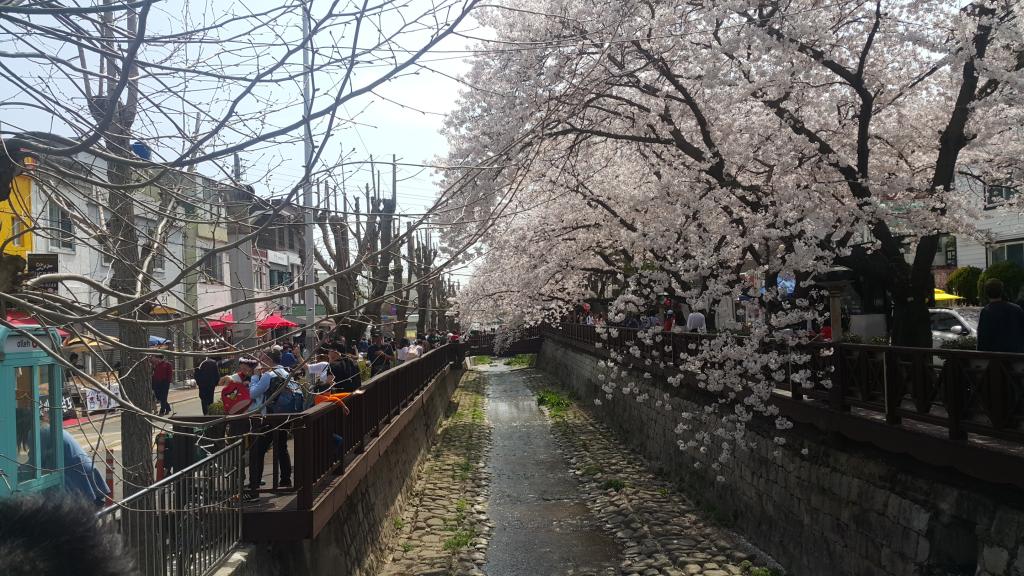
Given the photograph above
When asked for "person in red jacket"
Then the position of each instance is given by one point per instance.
(163, 374)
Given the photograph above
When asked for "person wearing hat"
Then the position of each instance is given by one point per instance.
(163, 373)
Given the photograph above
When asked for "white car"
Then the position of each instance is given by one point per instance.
(951, 323)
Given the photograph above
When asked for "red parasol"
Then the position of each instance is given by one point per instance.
(275, 321)
(218, 324)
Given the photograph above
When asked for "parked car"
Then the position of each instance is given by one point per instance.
(949, 324)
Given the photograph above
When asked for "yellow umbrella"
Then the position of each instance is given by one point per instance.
(943, 296)
(86, 344)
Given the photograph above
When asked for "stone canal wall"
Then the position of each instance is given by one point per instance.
(840, 509)
(355, 540)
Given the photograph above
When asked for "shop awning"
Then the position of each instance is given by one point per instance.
(20, 319)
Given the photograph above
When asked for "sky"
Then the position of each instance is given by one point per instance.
(388, 123)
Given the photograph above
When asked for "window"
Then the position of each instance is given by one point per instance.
(998, 194)
(212, 268)
(280, 278)
(62, 229)
(943, 321)
(148, 239)
(158, 256)
(1012, 252)
(17, 229)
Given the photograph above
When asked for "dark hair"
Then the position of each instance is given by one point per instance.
(274, 355)
(404, 342)
(994, 289)
(56, 535)
(73, 357)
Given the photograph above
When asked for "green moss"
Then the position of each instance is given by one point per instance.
(459, 540)
(556, 402)
(522, 360)
(613, 484)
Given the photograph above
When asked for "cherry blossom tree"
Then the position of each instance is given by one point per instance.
(658, 148)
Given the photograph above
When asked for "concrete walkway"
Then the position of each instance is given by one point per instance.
(541, 523)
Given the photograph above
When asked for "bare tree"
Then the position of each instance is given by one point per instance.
(137, 102)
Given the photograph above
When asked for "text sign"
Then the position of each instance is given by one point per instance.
(40, 264)
(19, 344)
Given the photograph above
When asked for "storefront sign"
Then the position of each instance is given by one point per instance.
(40, 264)
(19, 344)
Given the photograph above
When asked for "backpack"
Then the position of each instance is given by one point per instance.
(235, 396)
(287, 399)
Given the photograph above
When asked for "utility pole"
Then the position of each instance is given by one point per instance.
(240, 197)
(307, 188)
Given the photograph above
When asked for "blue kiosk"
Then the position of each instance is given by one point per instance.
(31, 429)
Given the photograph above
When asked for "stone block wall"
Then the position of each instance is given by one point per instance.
(841, 509)
(355, 540)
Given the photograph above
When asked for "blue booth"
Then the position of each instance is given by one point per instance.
(31, 429)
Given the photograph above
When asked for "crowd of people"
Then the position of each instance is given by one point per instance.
(665, 315)
(281, 380)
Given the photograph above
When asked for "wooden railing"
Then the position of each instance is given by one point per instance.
(323, 436)
(522, 341)
(973, 399)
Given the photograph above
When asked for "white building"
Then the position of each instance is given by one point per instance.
(1003, 227)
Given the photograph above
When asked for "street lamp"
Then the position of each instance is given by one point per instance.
(835, 280)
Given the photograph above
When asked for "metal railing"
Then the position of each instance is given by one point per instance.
(961, 408)
(187, 523)
(960, 391)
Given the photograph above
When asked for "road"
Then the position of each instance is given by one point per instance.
(101, 431)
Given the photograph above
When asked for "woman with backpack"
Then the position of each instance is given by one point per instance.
(271, 392)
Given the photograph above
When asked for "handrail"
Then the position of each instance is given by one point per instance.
(187, 523)
(168, 480)
(959, 391)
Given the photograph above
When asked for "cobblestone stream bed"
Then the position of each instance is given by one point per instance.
(444, 527)
(511, 489)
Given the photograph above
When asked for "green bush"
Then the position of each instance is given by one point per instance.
(1011, 274)
(964, 283)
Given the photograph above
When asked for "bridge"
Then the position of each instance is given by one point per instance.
(948, 409)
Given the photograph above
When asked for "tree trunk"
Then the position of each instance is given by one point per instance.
(136, 430)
